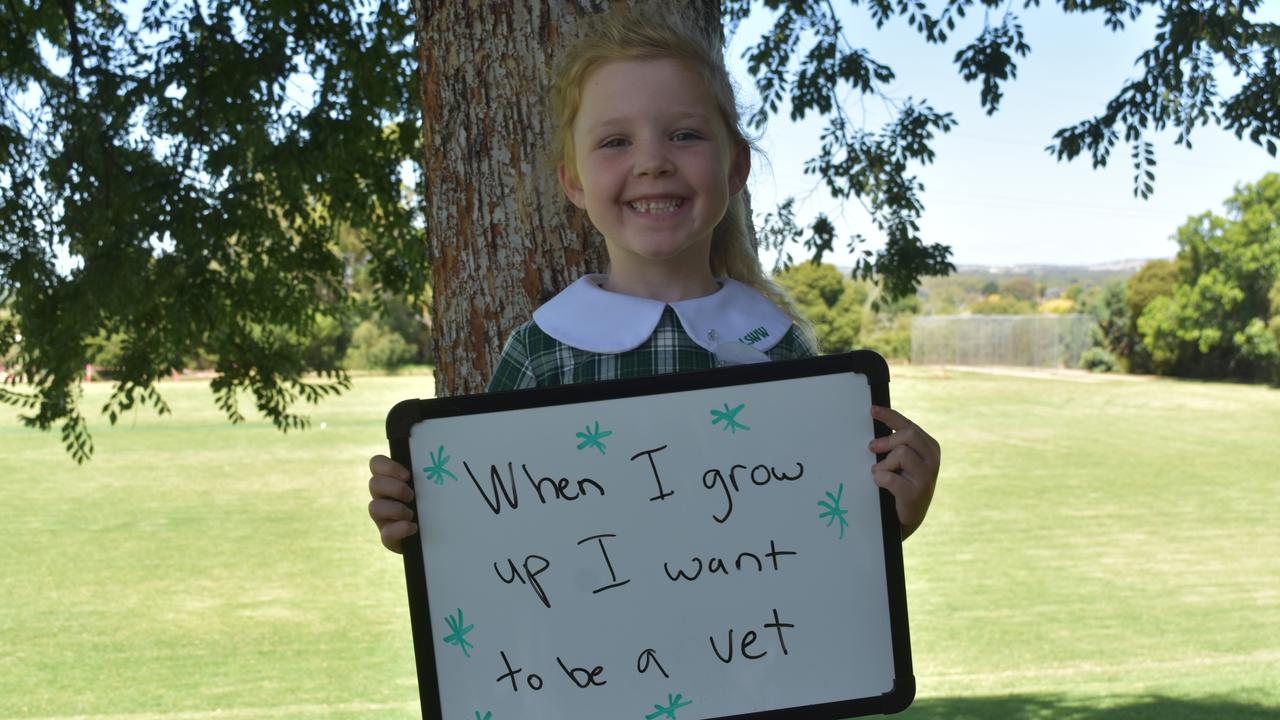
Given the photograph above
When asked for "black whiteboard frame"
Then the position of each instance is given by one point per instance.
(406, 414)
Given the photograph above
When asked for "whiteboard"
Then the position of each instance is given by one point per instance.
(704, 545)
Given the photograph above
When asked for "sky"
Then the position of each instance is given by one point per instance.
(993, 194)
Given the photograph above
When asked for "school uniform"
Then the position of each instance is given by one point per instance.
(586, 333)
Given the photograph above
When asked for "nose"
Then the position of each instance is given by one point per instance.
(651, 159)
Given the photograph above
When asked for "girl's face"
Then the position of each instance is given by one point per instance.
(655, 166)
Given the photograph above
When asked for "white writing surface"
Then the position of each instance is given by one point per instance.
(699, 554)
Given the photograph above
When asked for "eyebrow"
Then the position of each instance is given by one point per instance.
(681, 116)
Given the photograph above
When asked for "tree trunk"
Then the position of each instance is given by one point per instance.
(503, 238)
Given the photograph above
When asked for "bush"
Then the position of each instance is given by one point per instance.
(1115, 331)
(1002, 305)
(327, 342)
(1058, 306)
(889, 335)
(376, 347)
(828, 300)
(105, 352)
(1097, 359)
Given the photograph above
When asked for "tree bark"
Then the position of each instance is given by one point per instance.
(503, 238)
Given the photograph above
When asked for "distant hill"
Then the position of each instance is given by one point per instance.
(1126, 267)
(971, 283)
(1108, 270)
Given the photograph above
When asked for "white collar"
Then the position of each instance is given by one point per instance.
(588, 317)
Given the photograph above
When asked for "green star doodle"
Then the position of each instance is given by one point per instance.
(459, 635)
(833, 510)
(592, 438)
(436, 471)
(729, 417)
(487, 716)
(673, 703)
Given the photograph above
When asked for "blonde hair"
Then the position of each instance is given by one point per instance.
(637, 34)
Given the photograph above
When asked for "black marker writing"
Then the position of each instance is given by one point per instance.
(614, 576)
(495, 479)
(662, 494)
(760, 475)
(718, 565)
(561, 488)
(714, 477)
(749, 638)
(588, 677)
(534, 681)
(558, 489)
(777, 624)
(530, 575)
(650, 657)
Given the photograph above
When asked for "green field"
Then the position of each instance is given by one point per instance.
(1098, 549)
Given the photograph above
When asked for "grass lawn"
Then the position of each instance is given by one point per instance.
(1100, 550)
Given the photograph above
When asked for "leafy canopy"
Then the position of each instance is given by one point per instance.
(178, 180)
(1220, 318)
(174, 183)
(806, 60)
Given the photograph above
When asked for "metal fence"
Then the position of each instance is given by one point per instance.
(1027, 340)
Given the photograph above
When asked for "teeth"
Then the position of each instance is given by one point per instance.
(656, 206)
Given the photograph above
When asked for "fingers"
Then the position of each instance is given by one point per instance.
(391, 496)
(905, 433)
(910, 499)
(906, 475)
(908, 468)
(395, 522)
(394, 535)
(381, 486)
(383, 465)
(904, 458)
(897, 485)
(890, 417)
(388, 511)
(389, 479)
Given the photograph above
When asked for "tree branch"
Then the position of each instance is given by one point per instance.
(73, 34)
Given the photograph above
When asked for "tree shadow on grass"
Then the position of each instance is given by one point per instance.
(1049, 707)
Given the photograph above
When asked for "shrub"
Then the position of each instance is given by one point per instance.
(1097, 359)
(376, 347)
(1058, 306)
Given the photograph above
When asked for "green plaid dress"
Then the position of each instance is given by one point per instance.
(532, 358)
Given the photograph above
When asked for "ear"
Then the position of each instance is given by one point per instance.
(739, 168)
(572, 187)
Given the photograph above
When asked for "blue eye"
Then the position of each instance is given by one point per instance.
(613, 142)
(685, 135)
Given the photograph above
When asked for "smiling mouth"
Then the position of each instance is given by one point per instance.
(656, 207)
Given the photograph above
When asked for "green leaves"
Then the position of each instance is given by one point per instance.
(988, 59)
(178, 182)
(1178, 89)
(127, 394)
(829, 300)
(806, 60)
(871, 166)
(1213, 318)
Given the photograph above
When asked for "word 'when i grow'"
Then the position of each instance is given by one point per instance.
(504, 488)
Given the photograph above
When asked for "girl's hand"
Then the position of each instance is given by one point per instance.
(389, 508)
(910, 470)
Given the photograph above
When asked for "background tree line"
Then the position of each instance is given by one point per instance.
(374, 330)
(1214, 310)
(1211, 312)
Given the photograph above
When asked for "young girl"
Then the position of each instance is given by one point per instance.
(648, 142)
